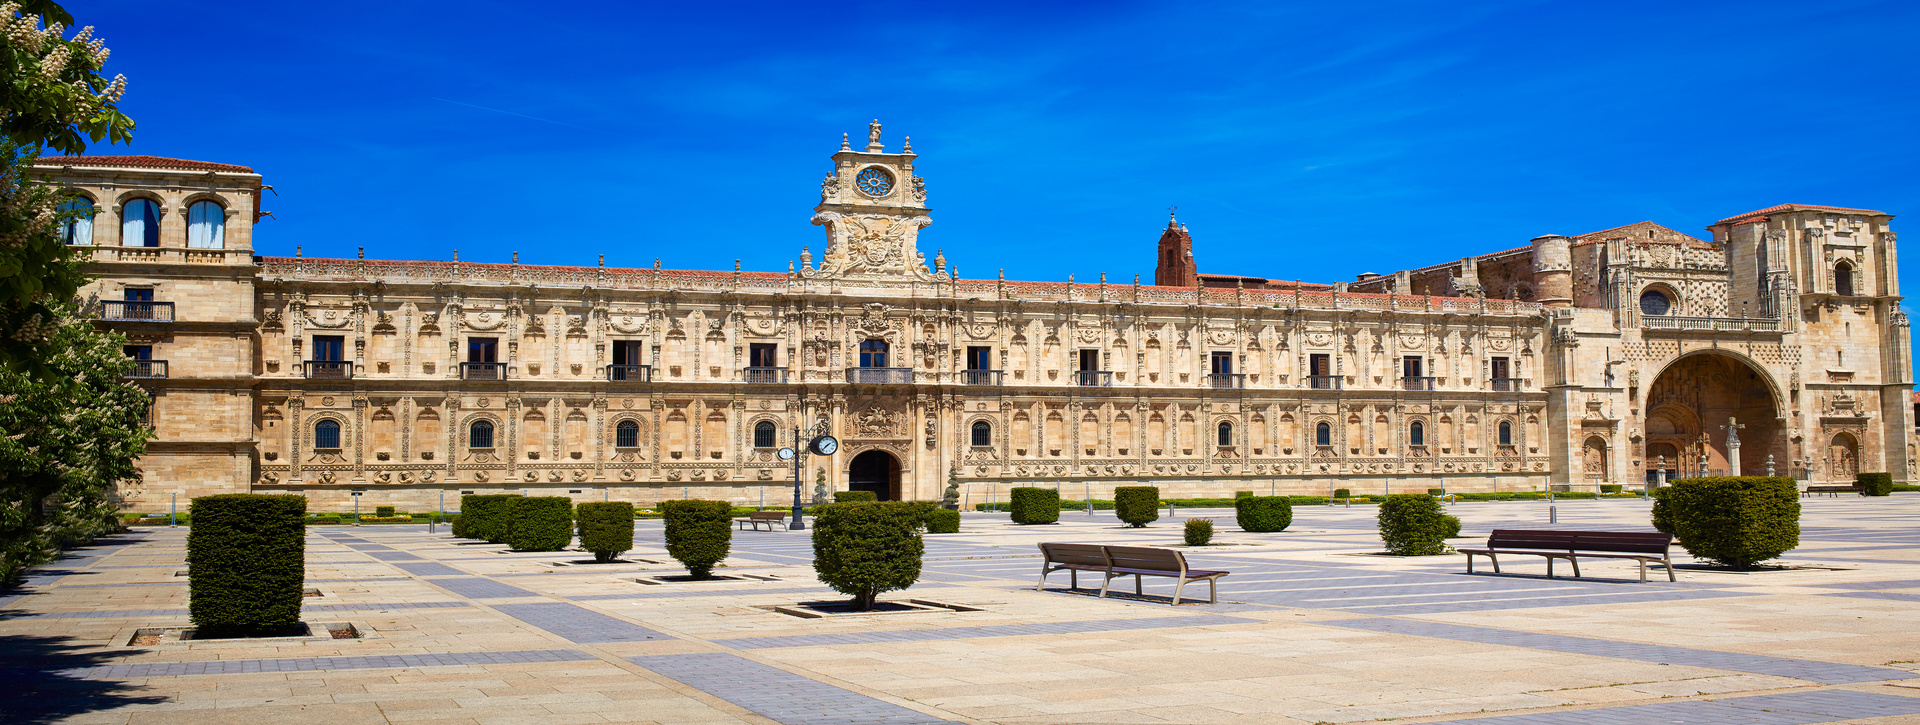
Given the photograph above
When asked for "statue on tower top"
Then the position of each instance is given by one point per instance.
(873, 131)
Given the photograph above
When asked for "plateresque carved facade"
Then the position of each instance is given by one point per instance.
(1572, 360)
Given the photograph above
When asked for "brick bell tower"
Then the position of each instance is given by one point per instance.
(1175, 267)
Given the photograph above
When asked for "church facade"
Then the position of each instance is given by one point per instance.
(1776, 343)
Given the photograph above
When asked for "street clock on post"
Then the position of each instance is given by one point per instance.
(824, 445)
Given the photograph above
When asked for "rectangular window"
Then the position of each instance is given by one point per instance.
(1223, 363)
(138, 294)
(1320, 365)
(1500, 369)
(763, 355)
(139, 352)
(979, 357)
(482, 350)
(328, 348)
(1410, 368)
(1089, 359)
(629, 352)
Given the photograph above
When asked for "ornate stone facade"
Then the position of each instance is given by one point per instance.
(1513, 371)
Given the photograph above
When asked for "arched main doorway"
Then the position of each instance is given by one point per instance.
(1843, 458)
(1690, 405)
(876, 471)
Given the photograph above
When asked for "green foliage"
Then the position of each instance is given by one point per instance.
(1662, 514)
(699, 533)
(1453, 526)
(1436, 492)
(1242, 494)
(68, 439)
(951, 497)
(1875, 484)
(1413, 525)
(1137, 505)
(1199, 532)
(943, 521)
(1035, 505)
(383, 510)
(540, 523)
(246, 558)
(865, 549)
(606, 529)
(489, 516)
(459, 527)
(1734, 520)
(1609, 488)
(854, 496)
(1263, 514)
(1342, 493)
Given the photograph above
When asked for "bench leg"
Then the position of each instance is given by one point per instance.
(1213, 590)
(1575, 561)
(1549, 567)
(1136, 585)
(1177, 588)
(1073, 578)
(1495, 558)
(1105, 584)
(1043, 578)
(1669, 562)
(1469, 563)
(1643, 571)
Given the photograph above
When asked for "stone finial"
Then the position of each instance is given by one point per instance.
(843, 143)
(736, 265)
(656, 262)
(603, 259)
(516, 257)
(296, 251)
(906, 144)
(363, 252)
(1003, 274)
(456, 255)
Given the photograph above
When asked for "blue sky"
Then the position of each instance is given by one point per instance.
(1313, 140)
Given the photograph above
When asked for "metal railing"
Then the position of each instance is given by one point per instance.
(763, 374)
(1418, 383)
(136, 311)
(1323, 382)
(981, 377)
(1722, 324)
(483, 371)
(329, 370)
(630, 373)
(1506, 385)
(1093, 378)
(880, 376)
(148, 369)
(1227, 380)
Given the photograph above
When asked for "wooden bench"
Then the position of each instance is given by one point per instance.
(1832, 490)
(1572, 545)
(769, 518)
(1122, 561)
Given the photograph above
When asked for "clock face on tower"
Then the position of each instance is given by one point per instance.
(873, 181)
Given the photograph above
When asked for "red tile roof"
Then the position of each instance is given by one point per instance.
(1794, 207)
(140, 162)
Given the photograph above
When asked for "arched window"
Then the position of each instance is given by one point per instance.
(1506, 433)
(140, 223)
(480, 434)
(1323, 434)
(206, 225)
(1843, 279)
(1417, 434)
(78, 231)
(1655, 302)
(1225, 433)
(982, 433)
(873, 354)
(626, 435)
(763, 434)
(326, 434)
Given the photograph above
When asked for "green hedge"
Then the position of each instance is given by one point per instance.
(943, 521)
(1609, 488)
(1905, 487)
(1242, 494)
(541, 523)
(1734, 520)
(1342, 493)
(854, 496)
(488, 516)
(1453, 526)
(459, 526)
(1436, 492)
(1199, 532)
(865, 549)
(1263, 514)
(383, 511)
(606, 529)
(1875, 484)
(699, 533)
(1662, 515)
(1413, 525)
(1137, 505)
(1035, 505)
(246, 564)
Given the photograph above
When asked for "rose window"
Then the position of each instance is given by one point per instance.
(873, 181)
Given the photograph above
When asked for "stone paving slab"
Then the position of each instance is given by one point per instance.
(474, 587)
(301, 664)
(778, 694)
(1798, 708)
(1002, 630)
(429, 569)
(579, 624)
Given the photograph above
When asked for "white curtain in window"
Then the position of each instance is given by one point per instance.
(140, 224)
(206, 226)
(78, 231)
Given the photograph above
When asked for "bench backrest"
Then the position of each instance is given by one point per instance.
(1076, 554)
(1530, 539)
(1620, 541)
(1141, 557)
(767, 515)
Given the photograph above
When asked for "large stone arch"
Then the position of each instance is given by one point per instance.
(876, 470)
(1691, 400)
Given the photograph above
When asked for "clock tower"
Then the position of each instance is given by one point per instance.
(873, 207)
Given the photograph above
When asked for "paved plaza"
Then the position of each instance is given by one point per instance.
(1312, 626)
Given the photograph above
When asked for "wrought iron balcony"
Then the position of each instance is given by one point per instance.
(483, 371)
(764, 375)
(1506, 385)
(1418, 383)
(1323, 382)
(880, 376)
(148, 369)
(630, 373)
(123, 311)
(1093, 378)
(329, 370)
(981, 377)
(1227, 381)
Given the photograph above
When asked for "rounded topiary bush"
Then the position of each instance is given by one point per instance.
(1031, 505)
(1662, 516)
(1263, 514)
(246, 564)
(1137, 505)
(488, 517)
(1875, 484)
(606, 529)
(854, 496)
(1342, 493)
(943, 521)
(1413, 525)
(459, 526)
(1734, 520)
(699, 533)
(1199, 532)
(540, 523)
(383, 511)
(865, 549)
